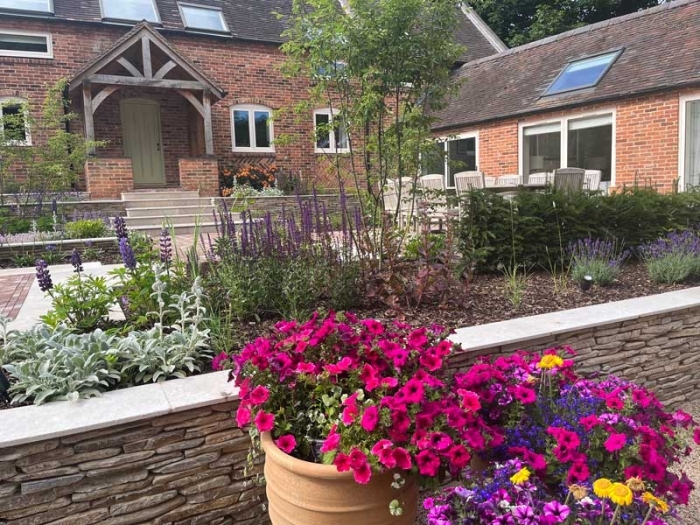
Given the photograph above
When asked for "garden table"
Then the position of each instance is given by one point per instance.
(511, 189)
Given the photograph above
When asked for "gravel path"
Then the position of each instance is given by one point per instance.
(690, 515)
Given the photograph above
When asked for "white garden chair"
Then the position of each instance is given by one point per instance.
(591, 180)
(508, 180)
(542, 177)
(569, 180)
(489, 182)
(431, 186)
(469, 180)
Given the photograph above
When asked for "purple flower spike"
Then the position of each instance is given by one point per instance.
(120, 228)
(43, 276)
(76, 261)
(127, 253)
(166, 247)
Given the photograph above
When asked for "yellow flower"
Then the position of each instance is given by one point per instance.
(602, 487)
(655, 502)
(550, 361)
(635, 483)
(620, 494)
(578, 492)
(520, 477)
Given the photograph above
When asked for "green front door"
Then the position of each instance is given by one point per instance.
(142, 140)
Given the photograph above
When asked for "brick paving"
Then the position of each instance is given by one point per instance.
(13, 292)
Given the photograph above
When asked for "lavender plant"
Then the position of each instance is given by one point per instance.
(599, 258)
(674, 258)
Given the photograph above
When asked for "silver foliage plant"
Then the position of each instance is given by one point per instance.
(48, 364)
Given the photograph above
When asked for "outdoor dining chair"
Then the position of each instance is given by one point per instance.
(508, 180)
(542, 177)
(435, 201)
(489, 182)
(569, 180)
(469, 180)
(591, 180)
(400, 195)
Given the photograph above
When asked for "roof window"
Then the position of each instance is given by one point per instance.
(41, 6)
(135, 10)
(582, 73)
(203, 18)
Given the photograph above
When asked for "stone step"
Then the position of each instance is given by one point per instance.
(159, 194)
(167, 219)
(170, 211)
(167, 202)
(177, 229)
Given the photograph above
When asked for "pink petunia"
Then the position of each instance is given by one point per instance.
(536, 461)
(332, 441)
(578, 473)
(428, 463)
(459, 456)
(362, 473)
(696, 436)
(342, 462)
(370, 418)
(615, 442)
(286, 443)
(243, 416)
(259, 395)
(413, 391)
(264, 421)
(614, 403)
(386, 458)
(305, 368)
(589, 422)
(524, 395)
(381, 445)
(357, 458)
(470, 400)
(218, 362)
(403, 458)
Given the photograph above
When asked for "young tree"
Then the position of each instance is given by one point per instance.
(518, 22)
(382, 65)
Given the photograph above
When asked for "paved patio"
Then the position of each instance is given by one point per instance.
(13, 292)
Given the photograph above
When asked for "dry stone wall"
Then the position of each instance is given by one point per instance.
(186, 468)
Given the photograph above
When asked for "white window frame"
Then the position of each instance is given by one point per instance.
(27, 129)
(459, 136)
(251, 109)
(564, 145)
(225, 30)
(155, 10)
(28, 54)
(682, 102)
(48, 2)
(332, 149)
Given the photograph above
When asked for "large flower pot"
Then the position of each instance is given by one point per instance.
(304, 493)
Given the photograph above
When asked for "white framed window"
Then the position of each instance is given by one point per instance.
(25, 44)
(203, 18)
(14, 122)
(40, 6)
(132, 10)
(251, 128)
(584, 141)
(454, 154)
(330, 133)
(689, 142)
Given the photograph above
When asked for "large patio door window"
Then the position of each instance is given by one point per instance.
(590, 145)
(691, 138)
(458, 154)
(542, 148)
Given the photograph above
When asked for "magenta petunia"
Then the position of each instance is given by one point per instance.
(524, 395)
(286, 443)
(243, 416)
(614, 403)
(403, 458)
(362, 473)
(459, 456)
(370, 418)
(578, 473)
(589, 422)
(386, 458)
(696, 436)
(342, 462)
(615, 442)
(218, 362)
(470, 400)
(264, 421)
(428, 463)
(332, 441)
(259, 395)
(357, 458)
(413, 391)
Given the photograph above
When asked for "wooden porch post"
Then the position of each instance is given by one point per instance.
(208, 131)
(88, 116)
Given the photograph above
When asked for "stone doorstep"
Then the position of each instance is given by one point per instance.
(525, 329)
(63, 418)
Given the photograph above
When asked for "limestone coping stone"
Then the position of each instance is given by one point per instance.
(526, 329)
(62, 418)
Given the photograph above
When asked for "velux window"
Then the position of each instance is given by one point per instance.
(41, 6)
(203, 18)
(582, 74)
(19, 44)
(136, 10)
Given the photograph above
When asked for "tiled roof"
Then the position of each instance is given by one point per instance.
(258, 20)
(660, 51)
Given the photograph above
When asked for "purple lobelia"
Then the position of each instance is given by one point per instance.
(43, 276)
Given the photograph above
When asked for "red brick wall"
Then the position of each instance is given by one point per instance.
(200, 174)
(108, 177)
(248, 71)
(646, 135)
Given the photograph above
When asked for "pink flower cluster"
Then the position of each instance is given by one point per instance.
(387, 400)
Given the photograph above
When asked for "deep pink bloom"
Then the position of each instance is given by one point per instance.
(428, 463)
(589, 422)
(259, 395)
(243, 416)
(264, 421)
(342, 462)
(470, 400)
(526, 396)
(381, 445)
(362, 473)
(459, 456)
(357, 458)
(578, 473)
(386, 457)
(218, 361)
(413, 391)
(439, 441)
(332, 441)
(403, 458)
(286, 443)
(370, 418)
(536, 461)
(305, 368)
(614, 403)
(696, 436)
(615, 442)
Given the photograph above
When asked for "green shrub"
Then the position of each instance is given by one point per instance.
(86, 229)
(12, 225)
(597, 258)
(633, 216)
(82, 302)
(414, 247)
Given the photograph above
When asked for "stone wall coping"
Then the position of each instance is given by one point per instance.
(62, 418)
(525, 329)
(58, 242)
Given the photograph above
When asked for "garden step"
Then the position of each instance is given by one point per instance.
(179, 229)
(150, 194)
(167, 202)
(170, 211)
(166, 219)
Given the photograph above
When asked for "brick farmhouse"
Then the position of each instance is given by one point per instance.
(621, 97)
(178, 89)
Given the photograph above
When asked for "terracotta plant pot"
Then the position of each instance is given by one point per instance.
(304, 493)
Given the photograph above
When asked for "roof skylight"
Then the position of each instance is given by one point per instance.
(43, 6)
(130, 10)
(582, 74)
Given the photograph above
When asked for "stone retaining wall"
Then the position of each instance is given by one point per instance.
(108, 245)
(187, 468)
